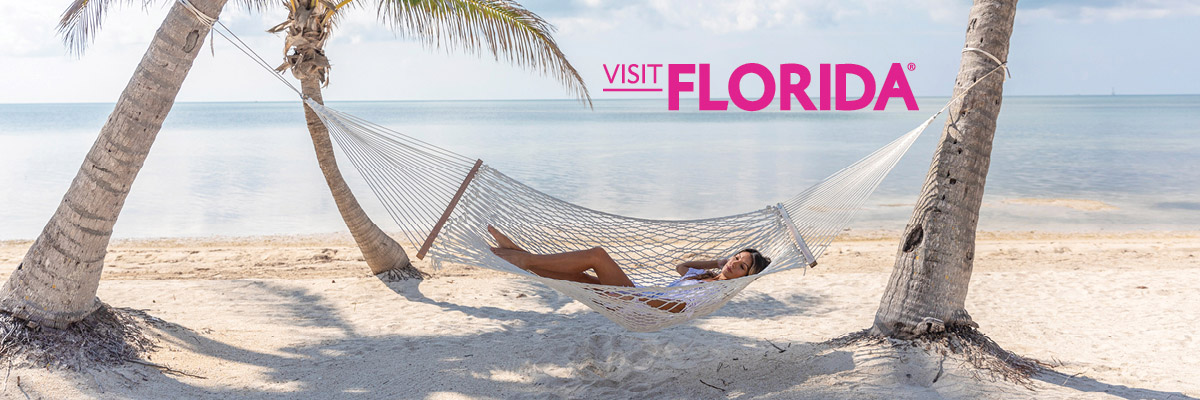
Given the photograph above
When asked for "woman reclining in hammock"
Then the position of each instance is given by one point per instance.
(572, 266)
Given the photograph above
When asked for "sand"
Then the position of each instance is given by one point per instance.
(300, 317)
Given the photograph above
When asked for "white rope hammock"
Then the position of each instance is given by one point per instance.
(445, 201)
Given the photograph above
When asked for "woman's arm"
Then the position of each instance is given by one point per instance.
(710, 264)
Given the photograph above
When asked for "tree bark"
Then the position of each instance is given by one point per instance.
(928, 287)
(56, 282)
(308, 29)
(383, 255)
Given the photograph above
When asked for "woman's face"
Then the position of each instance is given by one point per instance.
(738, 266)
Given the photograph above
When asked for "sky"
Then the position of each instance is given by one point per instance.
(1059, 47)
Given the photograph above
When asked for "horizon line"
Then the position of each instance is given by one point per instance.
(570, 100)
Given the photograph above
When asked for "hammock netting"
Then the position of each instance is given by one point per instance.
(416, 182)
(419, 183)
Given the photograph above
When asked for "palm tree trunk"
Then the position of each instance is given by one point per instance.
(928, 287)
(56, 282)
(384, 256)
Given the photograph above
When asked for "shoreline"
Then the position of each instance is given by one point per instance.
(1005, 217)
(850, 235)
(572, 100)
(335, 255)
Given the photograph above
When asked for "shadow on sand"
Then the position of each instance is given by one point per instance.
(603, 359)
(1086, 384)
(756, 305)
(520, 354)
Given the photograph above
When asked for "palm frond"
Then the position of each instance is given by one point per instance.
(82, 19)
(501, 27)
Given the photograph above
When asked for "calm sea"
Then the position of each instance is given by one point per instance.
(249, 169)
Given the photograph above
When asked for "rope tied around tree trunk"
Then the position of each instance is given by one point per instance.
(200, 15)
(1002, 64)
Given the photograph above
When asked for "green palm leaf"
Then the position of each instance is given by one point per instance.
(82, 19)
(501, 27)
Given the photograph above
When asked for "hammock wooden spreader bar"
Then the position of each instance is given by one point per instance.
(449, 209)
(796, 237)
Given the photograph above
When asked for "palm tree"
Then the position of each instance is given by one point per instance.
(928, 287)
(55, 284)
(502, 27)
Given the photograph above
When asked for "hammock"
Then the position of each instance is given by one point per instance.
(444, 201)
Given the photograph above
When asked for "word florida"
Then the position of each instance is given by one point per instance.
(794, 82)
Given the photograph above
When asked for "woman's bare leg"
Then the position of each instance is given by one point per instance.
(503, 239)
(569, 265)
(506, 243)
(583, 277)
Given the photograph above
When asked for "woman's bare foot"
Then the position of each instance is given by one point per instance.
(513, 256)
(502, 239)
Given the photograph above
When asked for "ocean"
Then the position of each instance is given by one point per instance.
(1069, 163)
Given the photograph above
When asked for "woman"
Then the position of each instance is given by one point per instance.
(572, 266)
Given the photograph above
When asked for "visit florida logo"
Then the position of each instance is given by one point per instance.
(791, 82)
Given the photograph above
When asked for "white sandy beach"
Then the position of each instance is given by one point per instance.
(300, 317)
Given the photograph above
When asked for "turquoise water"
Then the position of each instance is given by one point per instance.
(248, 168)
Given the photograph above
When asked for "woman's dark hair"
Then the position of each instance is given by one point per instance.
(760, 262)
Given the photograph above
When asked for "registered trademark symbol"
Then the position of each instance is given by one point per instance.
(912, 66)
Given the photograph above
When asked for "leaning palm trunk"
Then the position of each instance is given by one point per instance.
(307, 31)
(928, 287)
(383, 255)
(56, 282)
(501, 27)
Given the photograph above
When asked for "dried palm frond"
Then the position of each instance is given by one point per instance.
(307, 28)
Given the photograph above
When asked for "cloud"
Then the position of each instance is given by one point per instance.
(725, 16)
(592, 32)
(29, 32)
(1107, 10)
(731, 16)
